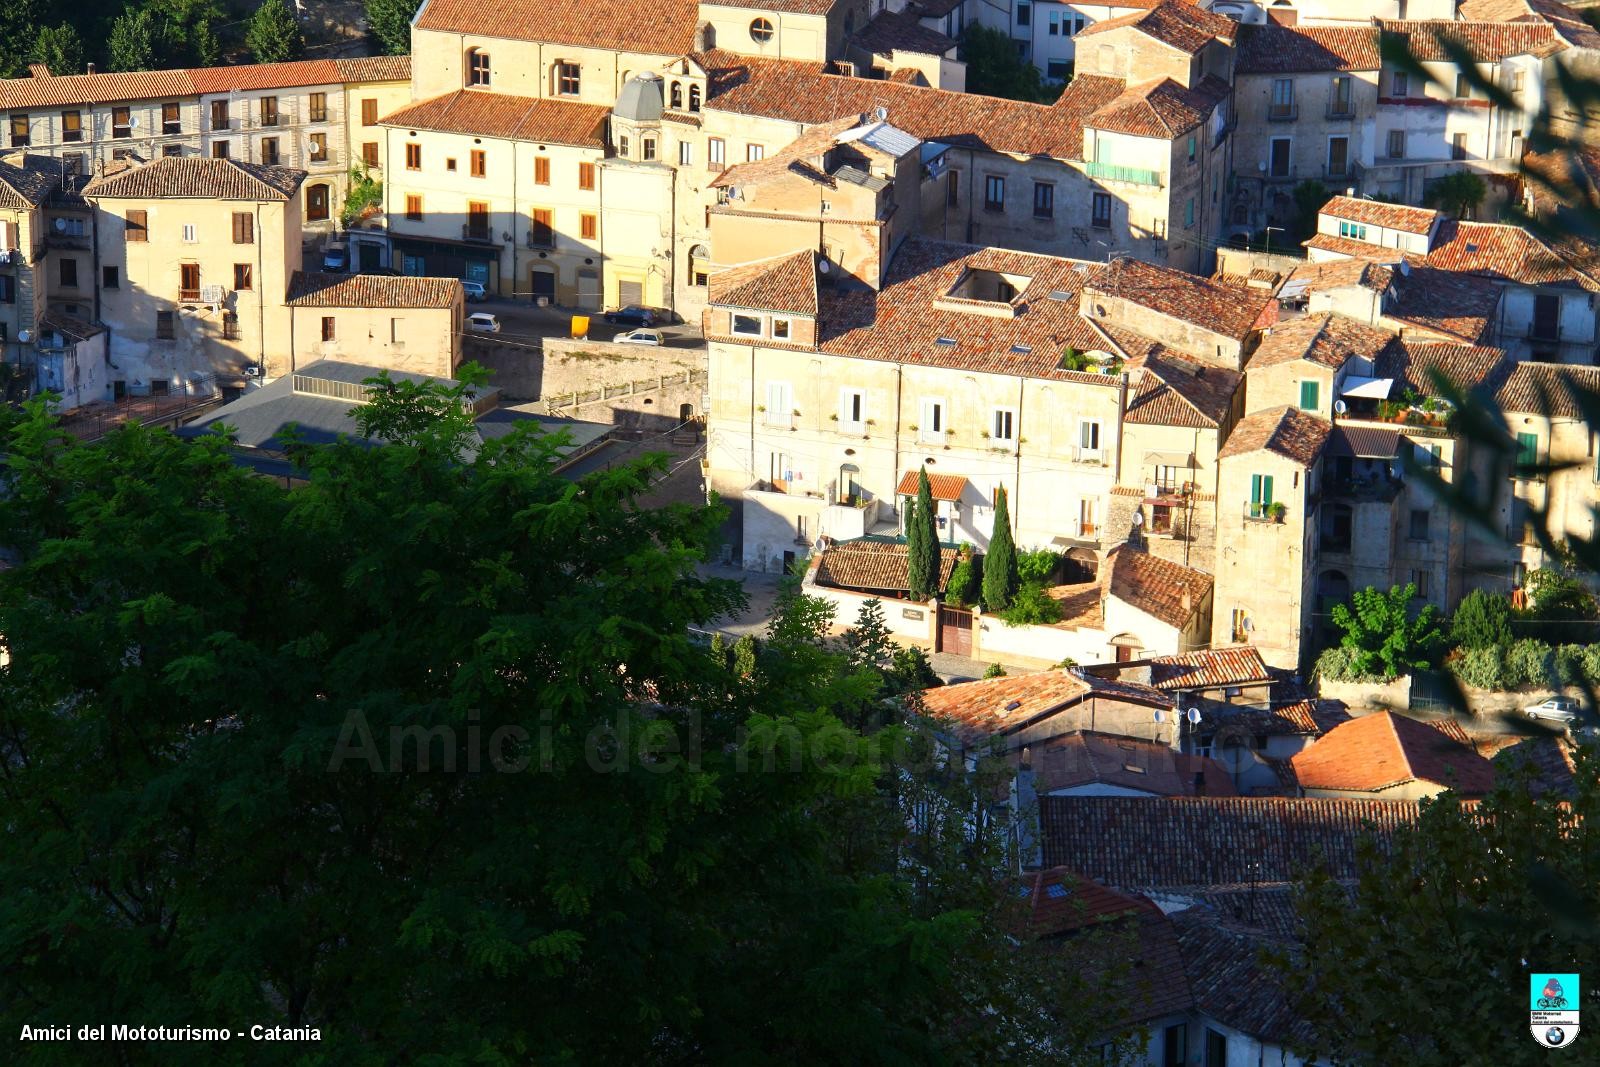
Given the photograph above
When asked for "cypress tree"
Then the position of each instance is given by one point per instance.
(922, 542)
(916, 554)
(1000, 565)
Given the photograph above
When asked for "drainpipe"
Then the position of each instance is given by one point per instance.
(1017, 432)
(260, 281)
(514, 221)
(899, 391)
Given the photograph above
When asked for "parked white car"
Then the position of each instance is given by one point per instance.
(475, 291)
(1556, 709)
(483, 322)
(641, 337)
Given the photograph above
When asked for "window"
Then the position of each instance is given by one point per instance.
(699, 255)
(243, 278)
(931, 426)
(188, 281)
(714, 150)
(317, 203)
(191, 234)
(1089, 440)
(567, 79)
(1088, 524)
(171, 119)
(541, 168)
(414, 207)
(269, 151)
(1400, 84)
(171, 151)
(953, 189)
(761, 31)
(109, 278)
(230, 326)
(1005, 425)
(1174, 1046)
(164, 325)
(1527, 450)
(329, 331)
(1458, 146)
(72, 125)
(19, 130)
(479, 163)
(1188, 213)
(317, 108)
(852, 407)
(780, 329)
(413, 156)
(1463, 87)
(121, 122)
(685, 153)
(1044, 200)
(135, 227)
(1397, 144)
(1339, 99)
(1058, 70)
(1419, 578)
(319, 147)
(780, 404)
(369, 112)
(1278, 162)
(244, 228)
(477, 67)
(649, 149)
(1516, 81)
(1418, 530)
(754, 152)
(69, 273)
(219, 150)
(1260, 496)
(1338, 156)
(1024, 14)
(75, 162)
(1282, 106)
(1356, 231)
(369, 153)
(588, 226)
(586, 176)
(747, 326)
(1194, 149)
(269, 111)
(1100, 213)
(477, 228)
(1161, 518)
(994, 193)
(1310, 394)
(1216, 1049)
(1055, 24)
(8, 290)
(543, 233)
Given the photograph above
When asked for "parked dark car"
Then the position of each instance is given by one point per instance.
(638, 315)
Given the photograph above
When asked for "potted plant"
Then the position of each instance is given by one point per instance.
(1277, 509)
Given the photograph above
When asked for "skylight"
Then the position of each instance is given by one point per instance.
(1056, 892)
(946, 341)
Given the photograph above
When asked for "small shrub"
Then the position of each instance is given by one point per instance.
(995, 671)
(1530, 662)
(1483, 618)
(1032, 606)
(963, 589)
(1038, 566)
(1066, 661)
(1482, 668)
(1569, 664)
(1337, 664)
(1591, 663)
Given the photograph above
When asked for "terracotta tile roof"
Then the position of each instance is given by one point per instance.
(1452, 729)
(877, 566)
(977, 711)
(1082, 605)
(375, 68)
(909, 76)
(892, 31)
(311, 289)
(649, 27)
(1158, 587)
(1506, 253)
(25, 187)
(1377, 751)
(1214, 668)
(1058, 902)
(1087, 757)
(1448, 304)
(807, 94)
(1241, 723)
(1376, 213)
(1564, 177)
(62, 90)
(1266, 911)
(1170, 390)
(1325, 339)
(1290, 432)
(1345, 246)
(70, 326)
(1232, 984)
(783, 283)
(1540, 388)
(1161, 108)
(1342, 273)
(795, 7)
(1181, 24)
(519, 118)
(1150, 843)
(197, 177)
(1273, 49)
(805, 155)
(943, 486)
(1547, 760)
(1435, 40)
(1469, 367)
(244, 77)
(1229, 310)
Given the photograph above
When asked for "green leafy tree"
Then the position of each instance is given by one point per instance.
(1032, 605)
(60, 49)
(963, 588)
(365, 192)
(19, 31)
(1459, 193)
(744, 656)
(390, 22)
(135, 40)
(274, 35)
(1465, 905)
(1482, 619)
(995, 69)
(922, 542)
(1383, 635)
(1000, 564)
(868, 643)
(1554, 593)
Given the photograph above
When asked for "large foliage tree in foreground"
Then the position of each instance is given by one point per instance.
(421, 754)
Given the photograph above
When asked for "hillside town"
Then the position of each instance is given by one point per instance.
(1149, 397)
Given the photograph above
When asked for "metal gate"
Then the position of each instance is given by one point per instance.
(630, 293)
(955, 631)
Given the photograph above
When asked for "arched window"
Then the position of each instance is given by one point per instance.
(699, 264)
(316, 203)
(477, 67)
(761, 31)
(694, 98)
(677, 96)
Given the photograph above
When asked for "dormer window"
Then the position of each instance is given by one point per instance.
(477, 67)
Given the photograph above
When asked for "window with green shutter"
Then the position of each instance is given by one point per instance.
(1527, 449)
(1309, 395)
(1260, 495)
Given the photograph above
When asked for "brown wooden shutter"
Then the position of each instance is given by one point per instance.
(137, 227)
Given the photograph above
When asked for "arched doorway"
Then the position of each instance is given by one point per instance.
(317, 203)
(1125, 647)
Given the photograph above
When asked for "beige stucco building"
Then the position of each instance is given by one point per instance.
(401, 324)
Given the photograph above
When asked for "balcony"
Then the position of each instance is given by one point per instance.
(1339, 110)
(71, 242)
(1282, 112)
(1549, 332)
(545, 242)
(478, 231)
(188, 296)
(1377, 488)
(1112, 172)
(1271, 512)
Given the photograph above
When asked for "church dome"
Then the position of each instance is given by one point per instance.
(640, 99)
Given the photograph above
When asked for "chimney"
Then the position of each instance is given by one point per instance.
(91, 68)
(1187, 602)
(38, 70)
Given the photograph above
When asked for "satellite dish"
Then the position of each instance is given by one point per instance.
(1161, 716)
(1249, 627)
(61, 225)
(134, 121)
(24, 336)
(1193, 715)
(824, 266)
(1340, 407)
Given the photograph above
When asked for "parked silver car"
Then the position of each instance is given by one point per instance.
(1556, 709)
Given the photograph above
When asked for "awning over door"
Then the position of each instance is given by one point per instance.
(944, 486)
(1171, 459)
(1365, 442)
(1368, 388)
